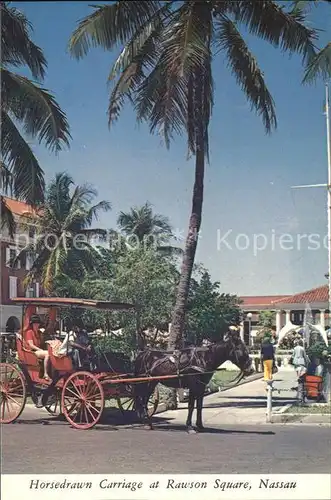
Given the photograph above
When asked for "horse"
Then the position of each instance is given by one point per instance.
(194, 367)
(113, 362)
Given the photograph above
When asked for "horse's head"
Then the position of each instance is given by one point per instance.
(238, 352)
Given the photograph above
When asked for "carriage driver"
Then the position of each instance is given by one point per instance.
(80, 347)
(34, 341)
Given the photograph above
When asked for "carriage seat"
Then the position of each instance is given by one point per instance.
(28, 357)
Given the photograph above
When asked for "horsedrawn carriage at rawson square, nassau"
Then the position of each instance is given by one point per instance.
(77, 393)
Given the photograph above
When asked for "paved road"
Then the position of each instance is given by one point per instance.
(243, 404)
(30, 445)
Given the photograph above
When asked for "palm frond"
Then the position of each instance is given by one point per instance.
(6, 217)
(140, 38)
(28, 178)
(304, 5)
(163, 98)
(36, 109)
(247, 72)
(16, 46)
(138, 56)
(6, 178)
(61, 222)
(109, 25)
(58, 196)
(270, 22)
(320, 66)
(82, 195)
(93, 212)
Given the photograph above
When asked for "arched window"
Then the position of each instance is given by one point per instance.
(13, 325)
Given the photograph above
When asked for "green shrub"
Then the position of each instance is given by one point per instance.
(320, 350)
(117, 344)
(166, 396)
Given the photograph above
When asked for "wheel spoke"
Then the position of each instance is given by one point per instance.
(7, 404)
(79, 396)
(85, 413)
(78, 388)
(78, 408)
(72, 407)
(75, 394)
(13, 393)
(13, 400)
(127, 404)
(89, 410)
(91, 390)
(90, 405)
(70, 401)
(94, 396)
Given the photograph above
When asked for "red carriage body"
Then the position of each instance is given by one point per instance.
(78, 395)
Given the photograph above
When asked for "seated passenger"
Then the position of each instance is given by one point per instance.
(34, 342)
(77, 345)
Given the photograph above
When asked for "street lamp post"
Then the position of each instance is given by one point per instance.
(249, 317)
(328, 185)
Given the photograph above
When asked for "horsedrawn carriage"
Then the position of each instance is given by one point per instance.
(80, 393)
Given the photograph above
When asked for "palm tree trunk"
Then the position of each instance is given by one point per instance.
(179, 312)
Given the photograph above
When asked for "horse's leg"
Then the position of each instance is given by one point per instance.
(200, 426)
(191, 400)
(147, 392)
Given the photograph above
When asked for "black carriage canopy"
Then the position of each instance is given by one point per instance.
(71, 302)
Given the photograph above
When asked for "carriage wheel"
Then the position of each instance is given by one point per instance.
(82, 400)
(12, 393)
(53, 405)
(128, 403)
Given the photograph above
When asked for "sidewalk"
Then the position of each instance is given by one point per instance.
(244, 404)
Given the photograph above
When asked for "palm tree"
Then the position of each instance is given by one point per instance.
(165, 70)
(25, 107)
(320, 66)
(6, 216)
(148, 228)
(62, 243)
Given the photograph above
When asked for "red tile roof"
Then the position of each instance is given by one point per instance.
(260, 300)
(18, 207)
(320, 294)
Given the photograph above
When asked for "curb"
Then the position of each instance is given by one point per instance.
(283, 409)
(313, 418)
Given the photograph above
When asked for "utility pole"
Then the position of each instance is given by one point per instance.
(328, 186)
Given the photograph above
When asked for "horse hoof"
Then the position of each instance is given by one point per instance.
(200, 428)
(148, 427)
(190, 430)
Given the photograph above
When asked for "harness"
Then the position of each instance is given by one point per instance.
(193, 365)
(174, 357)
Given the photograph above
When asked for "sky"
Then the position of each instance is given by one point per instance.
(258, 236)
